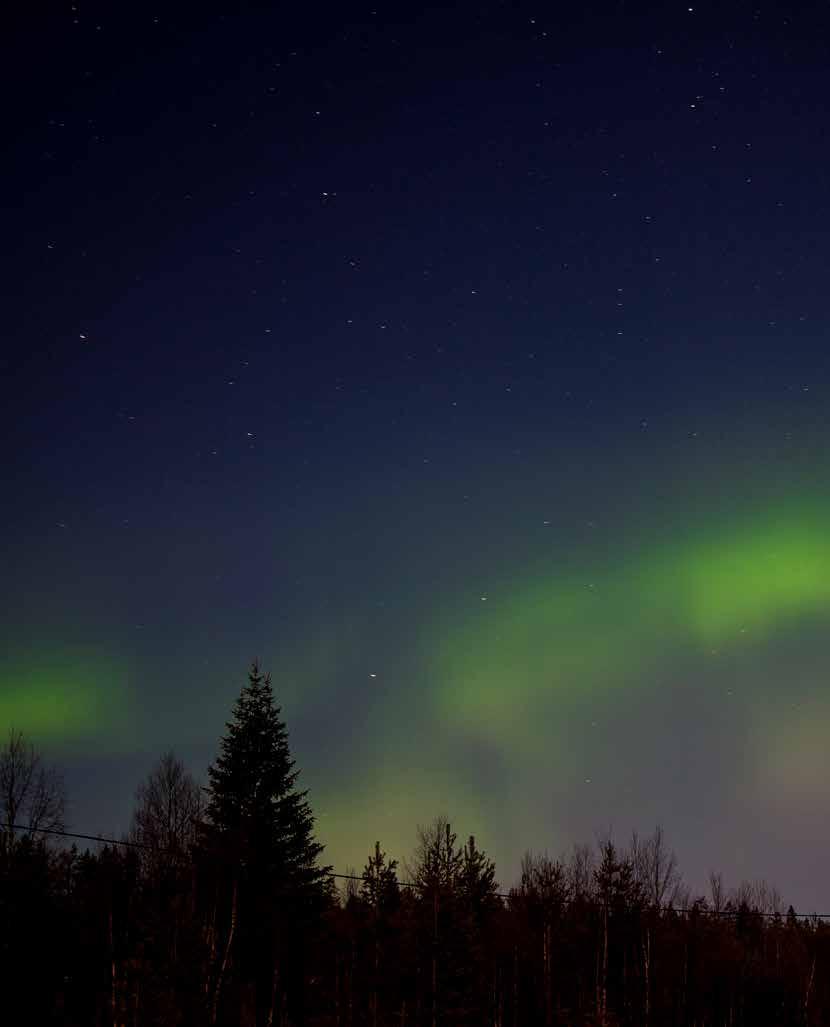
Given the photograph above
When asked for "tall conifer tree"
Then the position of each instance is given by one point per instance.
(252, 794)
(261, 827)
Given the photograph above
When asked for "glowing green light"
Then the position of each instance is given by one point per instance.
(61, 700)
(552, 638)
(777, 569)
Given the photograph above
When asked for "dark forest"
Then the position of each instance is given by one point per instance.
(217, 908)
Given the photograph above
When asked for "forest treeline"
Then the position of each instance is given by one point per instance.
(220, 911)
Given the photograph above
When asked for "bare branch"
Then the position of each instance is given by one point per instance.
(167, 813)
(655, 867)
(31, 795)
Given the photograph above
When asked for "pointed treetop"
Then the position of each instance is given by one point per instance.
(253, 805)
(380, 888)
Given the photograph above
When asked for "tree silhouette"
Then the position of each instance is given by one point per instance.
(619, 896)
(381, 894)
(167, 815)
(32, 795)
(227, 930)
(540, 902)
(379, 888)
(260, 829)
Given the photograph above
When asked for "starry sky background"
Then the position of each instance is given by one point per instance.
(466, 364)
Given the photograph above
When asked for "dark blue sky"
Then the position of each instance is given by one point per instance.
(328, 331)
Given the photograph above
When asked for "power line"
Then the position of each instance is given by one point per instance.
(59, 832)
(128, 843)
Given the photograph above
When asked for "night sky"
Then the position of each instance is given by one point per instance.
(469, 366)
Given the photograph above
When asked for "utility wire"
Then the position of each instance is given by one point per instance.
(59, 832)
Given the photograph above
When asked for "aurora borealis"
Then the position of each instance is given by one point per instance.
(470, 369)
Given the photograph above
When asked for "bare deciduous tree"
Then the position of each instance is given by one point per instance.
(757, 896)
(716, 891)
(32, 795)
(580, 872)
(350, 890)
(167, 813)
(655, 870)
(655, 867)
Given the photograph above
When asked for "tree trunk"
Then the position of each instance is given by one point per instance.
(515, 985)
(113, 983)
(419, 987)
(434, 1018)
(210, 940)
(374, 998)
(350, 992)
(337, 991)
(647, 976)
(220, 977)
(275, 979)
(809, 988)
(602, 976)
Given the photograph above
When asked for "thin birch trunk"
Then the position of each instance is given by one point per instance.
(434, 1019)
(809, 988)
(647, 976)
(220, 978)
(515, 985)
(603, 974)
(337, 991)
(113, 983)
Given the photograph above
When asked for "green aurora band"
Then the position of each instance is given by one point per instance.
(509, 676)
(592, 634)
(71, 698)
(504, 674)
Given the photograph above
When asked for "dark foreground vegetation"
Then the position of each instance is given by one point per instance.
(220, 912)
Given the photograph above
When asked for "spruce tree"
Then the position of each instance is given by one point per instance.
(381, 894)
(260, 831)
(380, 889)
(252, 796)
(477, 880)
